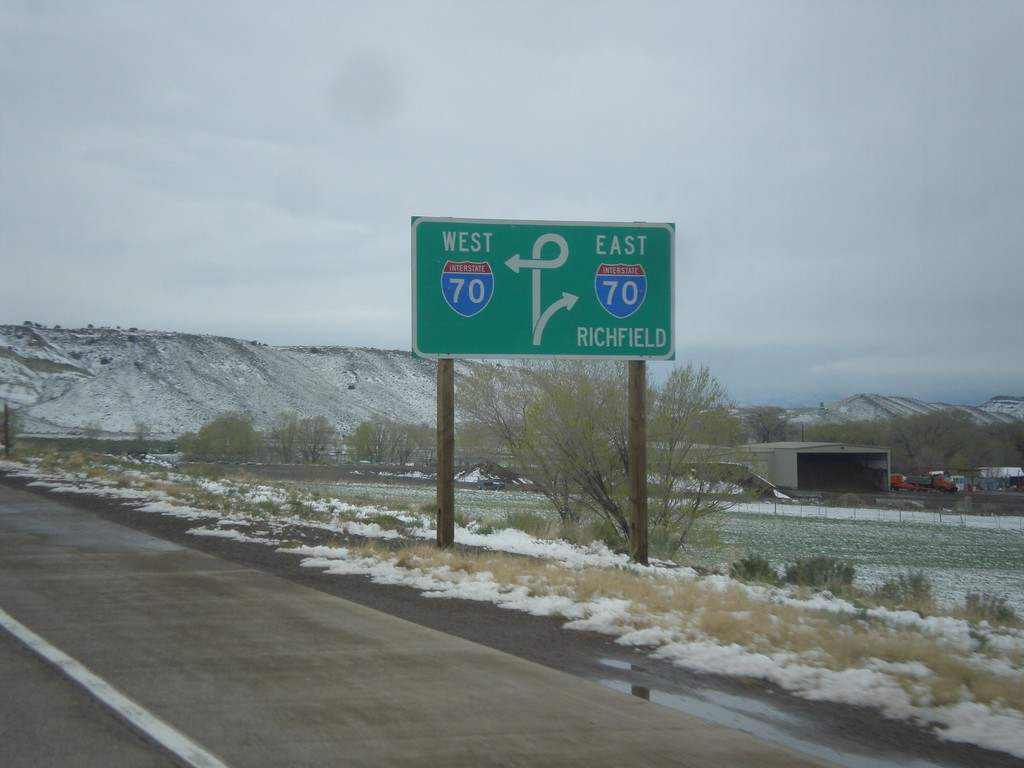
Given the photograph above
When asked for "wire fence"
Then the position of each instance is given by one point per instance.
(953, 517)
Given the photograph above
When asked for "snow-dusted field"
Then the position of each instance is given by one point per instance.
(958, 553)
(970, 555)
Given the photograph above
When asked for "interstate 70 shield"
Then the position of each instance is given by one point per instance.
(621, 288)
(467, 286)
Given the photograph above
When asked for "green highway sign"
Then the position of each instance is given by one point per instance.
(502, 288)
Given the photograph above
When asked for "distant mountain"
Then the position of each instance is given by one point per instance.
(110, 381)
(864, 407)
(1005, 404)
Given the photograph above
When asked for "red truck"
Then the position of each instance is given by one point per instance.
(933, 481)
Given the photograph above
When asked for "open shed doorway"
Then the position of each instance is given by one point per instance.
(841, 472)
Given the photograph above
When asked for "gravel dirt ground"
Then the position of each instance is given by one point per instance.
(852, 736)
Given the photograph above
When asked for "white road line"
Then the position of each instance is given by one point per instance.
(135, 715)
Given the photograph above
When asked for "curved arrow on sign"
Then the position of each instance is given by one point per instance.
(568, 301)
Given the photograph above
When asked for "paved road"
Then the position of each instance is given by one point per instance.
(223, 664)
(45, 721)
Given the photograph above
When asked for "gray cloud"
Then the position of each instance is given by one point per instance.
(845, 178)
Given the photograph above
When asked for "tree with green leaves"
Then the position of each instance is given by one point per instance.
(387, 441)
(229, 437)
(283, 434)
(693, 467)
(510, 403)
(564, 424)
(853, 433)
(767, 424)
(368, 441)
(929, 440)
(313, 437)
(9, 429)
(574, 439)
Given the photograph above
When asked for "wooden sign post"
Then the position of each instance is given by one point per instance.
(445, 452)
(638, 541)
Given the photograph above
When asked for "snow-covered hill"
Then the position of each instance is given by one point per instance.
(1001, 409)
(1005, 405)
(113, 382)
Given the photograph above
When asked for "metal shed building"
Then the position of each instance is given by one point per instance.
(830, 467)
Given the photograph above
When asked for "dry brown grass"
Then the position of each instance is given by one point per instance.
(730, 615)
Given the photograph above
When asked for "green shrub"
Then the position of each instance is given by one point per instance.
(590, 530)
(912, 591)
(485, 527)
(265, 508)
(985, 606)
(294, 505)
(605, 531)
(821, 572)
(571, 532)
(754, 568)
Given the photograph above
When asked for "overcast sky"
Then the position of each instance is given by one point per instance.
(846, 178)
